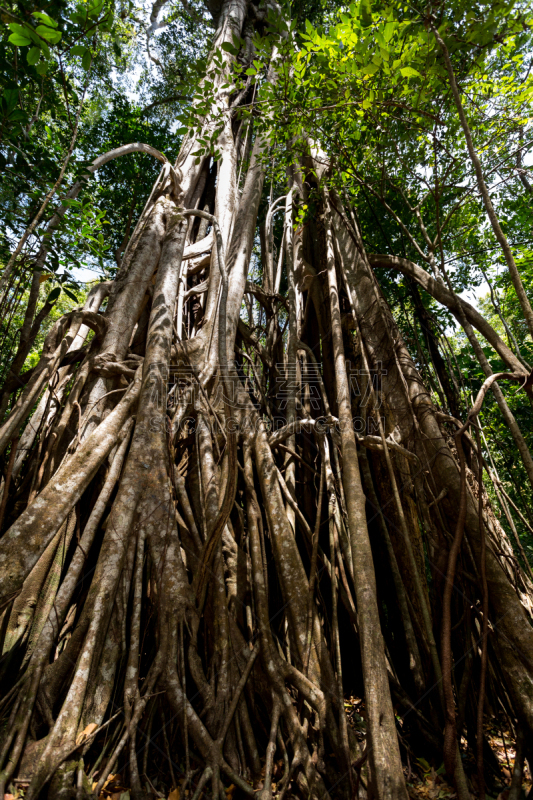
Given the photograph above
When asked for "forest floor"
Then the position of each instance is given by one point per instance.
(428, 783)
(424, 781)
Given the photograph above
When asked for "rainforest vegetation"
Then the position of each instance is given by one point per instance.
(266, 497)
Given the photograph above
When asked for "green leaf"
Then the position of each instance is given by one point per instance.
(366, 15)
(26, 32)
(409, 72)
(70, 294)
(18, 40)
(16, 28)
(45, 18)
(54, 294)
(33, 55)
(95, 8)
(229, 48)
(43, 45)
(107, 23)
(251, 71)
(78, 18)
(48, 34)
(41, 68)
(11, 97)
(78, 50)
(87, 59)
(436, 70)
(389, 30)
(37, 41)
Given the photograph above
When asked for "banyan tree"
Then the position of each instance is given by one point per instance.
(230, 499)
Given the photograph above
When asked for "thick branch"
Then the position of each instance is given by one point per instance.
(452, 301)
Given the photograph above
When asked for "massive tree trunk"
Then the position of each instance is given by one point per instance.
(171, 570)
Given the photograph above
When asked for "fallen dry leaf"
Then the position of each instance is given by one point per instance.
(174, 794)
(91, 727)
(109, 780)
